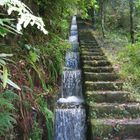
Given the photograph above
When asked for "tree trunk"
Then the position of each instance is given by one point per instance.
(93, 17)
(102, 17)
(131, 4)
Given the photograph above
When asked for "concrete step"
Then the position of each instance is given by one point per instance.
(109, 96)
(111, 128)
(90, 76)
(98, 69)
(103, 85)
(114, 110)
(96, 63)
(88, 58)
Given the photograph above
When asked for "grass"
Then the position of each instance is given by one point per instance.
(125, 58)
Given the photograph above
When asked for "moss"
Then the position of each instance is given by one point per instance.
(101, 131)
(113, 111)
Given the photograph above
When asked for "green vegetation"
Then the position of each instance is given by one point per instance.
(120, 38)
(33, 44)
(31, 63)
(126, 62)
(7, 118)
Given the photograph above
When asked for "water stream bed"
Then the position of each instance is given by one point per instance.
(70, 114)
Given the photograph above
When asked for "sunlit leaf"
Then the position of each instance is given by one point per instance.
(11, 83)
(5, 76)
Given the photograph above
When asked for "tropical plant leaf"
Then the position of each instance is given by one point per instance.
(5, 76)
(11, 83)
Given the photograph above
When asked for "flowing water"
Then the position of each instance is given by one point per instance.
(74, 22)
(74, 47)
(70, 115)
(71, 83)
(73, 38)
(73, 33)
(71, 100)
(74, 28)
(70, 124)
(72, 60)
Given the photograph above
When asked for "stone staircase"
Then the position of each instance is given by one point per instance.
(112, 113)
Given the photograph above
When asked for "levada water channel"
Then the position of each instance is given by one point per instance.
(70, 115)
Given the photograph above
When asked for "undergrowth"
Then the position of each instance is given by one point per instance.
(129, 59)
(125, 59)
(7, 116)
(37, 70)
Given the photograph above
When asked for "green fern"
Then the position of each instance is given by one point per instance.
(49, 116)
(7, 118)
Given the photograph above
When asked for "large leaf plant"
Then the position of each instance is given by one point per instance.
(24, 18)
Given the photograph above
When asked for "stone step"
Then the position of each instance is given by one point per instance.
(87, 58)
(109, 96)
(90, 76)
(98, 69)
(92, 53)
(88, 45)
(114, 110)
(96, 63)
(103, 85)
(120, 138)
(109, 128)
(91, 50)
(110, 100)
(87, 41)
(131, 138)
(88, 38)
(96, 50)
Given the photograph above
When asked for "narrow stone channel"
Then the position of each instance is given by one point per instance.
(70, 114)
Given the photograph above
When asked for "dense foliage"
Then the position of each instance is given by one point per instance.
(119, 26)
(31, 63)
(32, 60)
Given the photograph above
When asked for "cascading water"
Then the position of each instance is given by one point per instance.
(72, 60)
(70, 114)
(74, 33)
(71, 83)
(70, 124)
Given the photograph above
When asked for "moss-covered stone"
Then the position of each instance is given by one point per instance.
(86, 57)
(89, 76)
(99, 69)
(111, 110)
(109, 96)
(96, 63)
(109, 128)
(104, 96)
(92, 53)
(93, 86)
